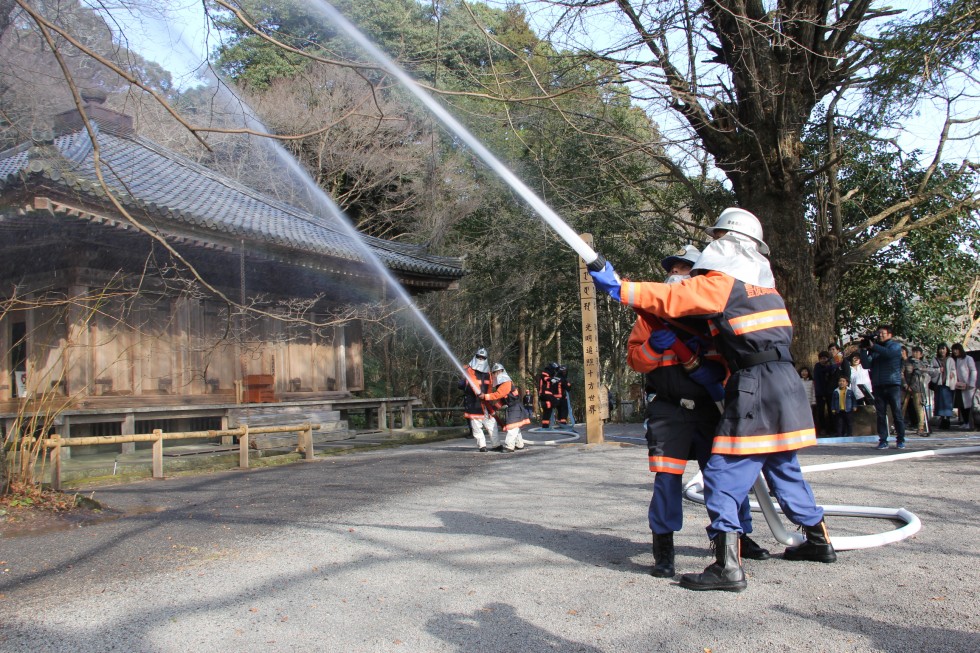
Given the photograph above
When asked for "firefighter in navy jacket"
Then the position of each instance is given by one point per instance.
(681, 420)
(549, 393)
(767, 416)
(475, 409)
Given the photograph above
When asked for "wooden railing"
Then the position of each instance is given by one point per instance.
(442, 416)
(304, 443)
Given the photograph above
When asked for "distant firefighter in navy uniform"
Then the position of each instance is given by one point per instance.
(563, 404)
(475, 385)
(549, 393)
(767, 416)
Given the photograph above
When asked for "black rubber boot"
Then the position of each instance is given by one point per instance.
(663, 556)
(725, 573)
(816, 548)
(751, 550)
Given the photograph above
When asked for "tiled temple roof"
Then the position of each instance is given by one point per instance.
(179, 194)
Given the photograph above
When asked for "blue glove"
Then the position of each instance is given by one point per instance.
(661, 340)
(606, 280)
(695, 344)
(710, 375)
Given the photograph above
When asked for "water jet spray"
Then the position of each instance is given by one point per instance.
(297, 174)
(593, 259)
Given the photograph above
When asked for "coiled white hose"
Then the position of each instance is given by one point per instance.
(694, 491)
(570, 436)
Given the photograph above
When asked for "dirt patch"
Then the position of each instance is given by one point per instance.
(24, 522)
(29, 511)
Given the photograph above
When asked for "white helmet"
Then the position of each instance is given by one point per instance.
(741, 222)
(497, 367)
(687, 254)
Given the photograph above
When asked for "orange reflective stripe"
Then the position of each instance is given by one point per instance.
(517, 424)
(752, 444)
(667, 465)
(758, 321)
(703, 295)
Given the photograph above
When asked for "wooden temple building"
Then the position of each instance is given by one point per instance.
(109, 331)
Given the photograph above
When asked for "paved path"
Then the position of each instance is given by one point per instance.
(439, 548)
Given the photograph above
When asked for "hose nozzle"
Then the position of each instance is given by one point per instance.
(598, 264)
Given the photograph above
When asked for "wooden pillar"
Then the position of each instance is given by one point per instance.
(590, 351)
(383, 416)
(243, 448)
(407, 416)
(128, 428)
(56, 465)
(6, 373)
(226, 440)
(64, 430)
(340, 357)
(306, 438)
(158, 454)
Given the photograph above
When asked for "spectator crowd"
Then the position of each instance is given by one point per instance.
(902, 381)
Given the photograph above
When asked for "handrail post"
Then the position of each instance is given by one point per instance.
(306, 436)
(243, 447)
(158, 454)
(56, 463)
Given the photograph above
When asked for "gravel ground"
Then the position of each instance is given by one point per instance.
(439, 548)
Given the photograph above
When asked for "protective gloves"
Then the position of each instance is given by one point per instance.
(661, 340)
(695, 344)
(710, 375)
(606, 280)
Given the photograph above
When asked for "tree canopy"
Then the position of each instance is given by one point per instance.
(790, 109)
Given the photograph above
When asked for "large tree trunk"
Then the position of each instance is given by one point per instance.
(6, 13)
(794, 258)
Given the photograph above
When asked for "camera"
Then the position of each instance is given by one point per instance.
(867, 340)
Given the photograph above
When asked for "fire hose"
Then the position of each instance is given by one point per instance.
(694, 491)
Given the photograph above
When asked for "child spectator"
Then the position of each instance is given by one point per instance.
(843, 406)
(811, 394)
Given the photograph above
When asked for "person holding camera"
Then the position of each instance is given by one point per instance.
(883, 357)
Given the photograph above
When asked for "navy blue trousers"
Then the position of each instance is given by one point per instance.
(728, 479)
(885, 396)
(666, 513)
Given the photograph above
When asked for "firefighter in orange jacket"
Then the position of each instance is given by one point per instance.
(478, 412)
(682, 418)
(506, 397)
(767, 416)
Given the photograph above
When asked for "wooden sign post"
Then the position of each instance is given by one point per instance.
(590, 353)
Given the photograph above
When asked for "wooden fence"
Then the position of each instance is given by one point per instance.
(304, 443)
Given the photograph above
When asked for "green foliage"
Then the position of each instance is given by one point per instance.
(917, 54)
(917, 283)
